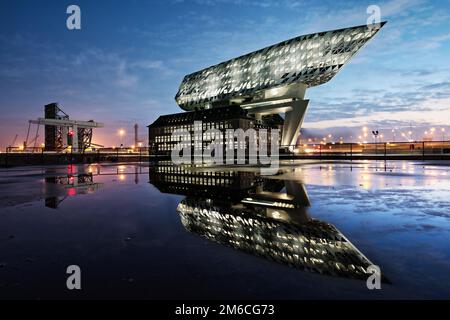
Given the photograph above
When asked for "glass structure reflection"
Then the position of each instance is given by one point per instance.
(262, 216)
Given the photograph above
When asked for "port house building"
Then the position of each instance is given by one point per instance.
(265, 88)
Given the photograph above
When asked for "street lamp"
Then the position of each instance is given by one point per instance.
(393, 135)
(121, 134)
(375, 134)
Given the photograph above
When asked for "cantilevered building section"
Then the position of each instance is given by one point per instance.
(274, 79)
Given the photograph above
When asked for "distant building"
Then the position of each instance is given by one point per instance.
(270, 81)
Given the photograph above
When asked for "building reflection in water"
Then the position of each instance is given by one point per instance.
(58, 188)
(261, 216)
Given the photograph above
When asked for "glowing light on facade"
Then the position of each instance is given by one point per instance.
(311, 59)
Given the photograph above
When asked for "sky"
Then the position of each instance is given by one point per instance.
(126, 63)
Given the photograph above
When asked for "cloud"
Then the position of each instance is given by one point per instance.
(431, 43)
(432, 112)
(422, 104)
(438, 86)
(154, 65)
(125, 79)
(404, 68)
(251, 3)
(89, 82)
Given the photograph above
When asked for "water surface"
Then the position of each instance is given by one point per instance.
(156, 231)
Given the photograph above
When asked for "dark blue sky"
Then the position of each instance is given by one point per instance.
(125, 64)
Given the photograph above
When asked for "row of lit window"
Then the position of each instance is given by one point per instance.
(237, 146)
(181, 170)
(197, 180)
(203, 126)
(207, 136)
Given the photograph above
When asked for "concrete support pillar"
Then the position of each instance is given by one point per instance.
(64, 133)
(298, 191)
(300, 214)
(292, 123)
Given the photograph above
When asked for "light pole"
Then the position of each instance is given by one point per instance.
(375, 134)
(121, 134)
(365, 129)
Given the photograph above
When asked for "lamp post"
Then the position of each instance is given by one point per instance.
(375, 134)
(121, 134)
(365, 129)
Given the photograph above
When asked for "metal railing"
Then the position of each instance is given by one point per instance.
(121, 151)
(416, 148)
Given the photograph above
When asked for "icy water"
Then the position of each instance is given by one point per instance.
(159, 232)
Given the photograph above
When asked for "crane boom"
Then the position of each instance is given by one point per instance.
(14, 141)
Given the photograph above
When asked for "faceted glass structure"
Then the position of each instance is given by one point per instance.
(272, 82)
(310, 60)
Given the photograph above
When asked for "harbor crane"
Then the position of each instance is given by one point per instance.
(62, 132)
